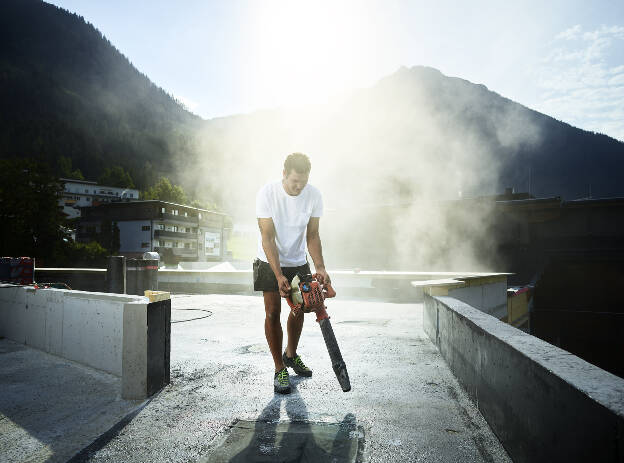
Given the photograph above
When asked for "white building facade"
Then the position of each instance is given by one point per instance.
(83, 193)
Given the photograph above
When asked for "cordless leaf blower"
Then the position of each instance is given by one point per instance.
(308, 295)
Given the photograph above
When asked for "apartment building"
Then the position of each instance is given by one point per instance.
(177, 232)
(83, 193)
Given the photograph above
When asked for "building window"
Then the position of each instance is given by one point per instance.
(88, 199)
(86, 191)
(185, 214)
(187, 230)
(175, 244)
(146, 228)
(162, 210)
(175, 212)
(194, 230)
(167, 244)
(187, 245)
(132, 195)
(145, 245)
(199, 215)
(161, 243)
(174, 228)
(193, 244)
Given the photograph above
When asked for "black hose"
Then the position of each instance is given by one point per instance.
(192, 319)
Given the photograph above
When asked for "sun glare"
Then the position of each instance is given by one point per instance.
(307, 52)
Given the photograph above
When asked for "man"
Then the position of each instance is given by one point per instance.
(288, 213)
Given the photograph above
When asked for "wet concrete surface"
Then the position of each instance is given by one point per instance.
(405, 405)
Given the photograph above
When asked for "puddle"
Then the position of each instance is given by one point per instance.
(300, 441)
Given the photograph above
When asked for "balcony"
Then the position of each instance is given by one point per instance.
(173, 234)
(177, 218)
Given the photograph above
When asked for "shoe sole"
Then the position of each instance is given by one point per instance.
(279, 390)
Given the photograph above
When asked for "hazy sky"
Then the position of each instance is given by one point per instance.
(564, 57)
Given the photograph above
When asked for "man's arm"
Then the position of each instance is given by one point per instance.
(316, 249)
(267, 231)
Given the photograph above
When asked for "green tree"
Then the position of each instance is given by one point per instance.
(64, 169)
(164, 190)
(90, 254)
(116, 176)
(29, 210)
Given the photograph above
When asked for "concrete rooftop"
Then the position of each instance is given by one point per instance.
(405, 404)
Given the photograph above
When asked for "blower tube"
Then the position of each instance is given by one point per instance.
(335, 356)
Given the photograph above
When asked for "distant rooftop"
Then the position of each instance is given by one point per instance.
(73, 180)
(143, 201)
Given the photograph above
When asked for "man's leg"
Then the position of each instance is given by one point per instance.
(294, 327)
(273, 326)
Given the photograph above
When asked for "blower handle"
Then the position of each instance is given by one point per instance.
(328, 290)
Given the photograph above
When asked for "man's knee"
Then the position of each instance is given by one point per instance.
(272, 307)
(273, 317)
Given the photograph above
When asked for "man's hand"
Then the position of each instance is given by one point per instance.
(283, 286)
(322, 277)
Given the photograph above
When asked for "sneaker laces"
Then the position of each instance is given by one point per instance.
(297, 360)
(282, 377)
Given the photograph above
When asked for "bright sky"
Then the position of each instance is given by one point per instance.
(563, 57)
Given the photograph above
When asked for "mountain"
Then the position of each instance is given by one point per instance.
(388, 159)
(66, 91)
(420, 134)
(393, 162)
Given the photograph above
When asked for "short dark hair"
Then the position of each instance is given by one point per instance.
(298, 162)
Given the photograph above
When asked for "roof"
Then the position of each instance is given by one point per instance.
(73, 180)
(143, 201)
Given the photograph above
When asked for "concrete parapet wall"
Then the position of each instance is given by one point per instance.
(387, 285)
(367, 284)
(484, 291)
(105, 331)
(82, 279)
(543, 403)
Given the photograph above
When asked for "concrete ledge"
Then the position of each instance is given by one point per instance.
(109, 332)
(396, 286)
(484, 291)
(543, 403)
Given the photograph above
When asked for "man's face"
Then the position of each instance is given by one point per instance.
(294, 182)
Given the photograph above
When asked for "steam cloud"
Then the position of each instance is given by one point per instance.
(391, 161)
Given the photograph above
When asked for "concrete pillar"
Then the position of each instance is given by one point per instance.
(146, 348)
(116, 275)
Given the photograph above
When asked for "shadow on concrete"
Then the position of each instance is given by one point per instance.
(50, 407)
(86, 453)
(296, 440)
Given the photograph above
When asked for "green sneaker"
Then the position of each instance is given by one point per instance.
(281, 382)
(297, 364)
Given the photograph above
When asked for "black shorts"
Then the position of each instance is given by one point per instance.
(264, 278)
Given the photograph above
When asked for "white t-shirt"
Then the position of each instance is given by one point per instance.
(290, 215)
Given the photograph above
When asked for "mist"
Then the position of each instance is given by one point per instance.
(395, 163)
